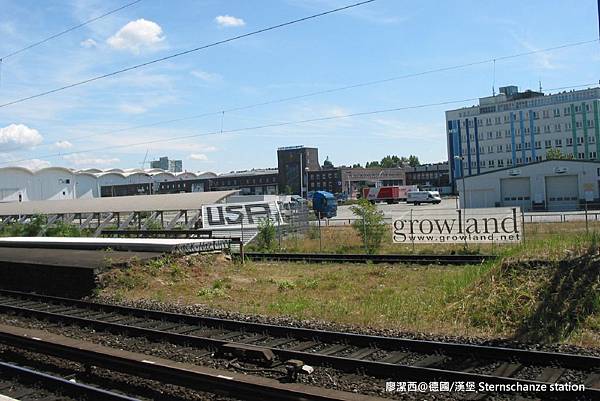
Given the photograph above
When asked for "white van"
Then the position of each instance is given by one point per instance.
(418, 197)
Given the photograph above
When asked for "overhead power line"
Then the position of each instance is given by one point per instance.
(339, 89)
(182, 53)
(245, 129)
(14, 53)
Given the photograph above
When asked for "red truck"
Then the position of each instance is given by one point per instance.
(390, 194)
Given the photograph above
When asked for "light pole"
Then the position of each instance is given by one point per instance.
(378, 183)
(301, 174)
(461, 158)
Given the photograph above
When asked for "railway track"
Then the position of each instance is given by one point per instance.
(362, 258)
(210, 382)
(384, 357)
(26, 384)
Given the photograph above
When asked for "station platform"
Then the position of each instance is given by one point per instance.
(164, 245)
(60, 272)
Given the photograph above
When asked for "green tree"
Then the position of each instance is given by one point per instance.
(413, 161)
(556, 154)
(370, 225)
(356, 165)
(373, 164)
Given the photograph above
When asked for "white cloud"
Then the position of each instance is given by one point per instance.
(138, 35)
(18, 136)
(132, 108)
(207, 76)
(228, 20)
(89, 43)
(543, 60)
(34, 164)
(79, 159)
(198, 156)
(63, 145)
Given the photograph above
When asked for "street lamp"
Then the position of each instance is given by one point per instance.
(461, 158)
(378, 183)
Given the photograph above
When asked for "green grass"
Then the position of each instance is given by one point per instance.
(544, 290)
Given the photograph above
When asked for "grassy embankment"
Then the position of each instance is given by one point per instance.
(545, 290)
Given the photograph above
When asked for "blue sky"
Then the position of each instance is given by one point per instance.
(383, 39)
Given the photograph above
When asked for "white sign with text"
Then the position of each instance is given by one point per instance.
(439, 226)
(239, 215)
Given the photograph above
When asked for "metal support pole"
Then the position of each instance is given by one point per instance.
(587, 228)
(413, 237)
(320, 243)
(365, 234)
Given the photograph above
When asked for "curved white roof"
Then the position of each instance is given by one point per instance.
(56, 168)
(23, 169)
(137, 203)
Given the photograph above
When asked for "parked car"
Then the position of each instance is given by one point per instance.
(418, 197)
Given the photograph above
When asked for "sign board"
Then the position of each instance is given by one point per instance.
(239, 215)
(439, 226)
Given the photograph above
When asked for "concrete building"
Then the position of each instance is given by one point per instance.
(433, 177)
(293, 164)
(515, 128)
(547, 185)
(249, 182)
(349, 180)
(164, 163)
(18, 184)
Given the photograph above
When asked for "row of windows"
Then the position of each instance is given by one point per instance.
(537, 144)
(245, 181)
(500, 162)
(554, 113)
(538, 101)
(537, 130)
(318, 176)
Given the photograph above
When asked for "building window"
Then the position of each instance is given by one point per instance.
(556, 112)
(518, 146)
(569, 141)
(538, 144)
(490, 163)
(591, 139)
(527, 145)
(501, 163)
(508, 147)
(581, 155)
(558, 143)
(567, 111)
(528, 159)
(592, 155)
(548, 143)
(538, 158)
(498, 148)
(557, 127)
(579, 140)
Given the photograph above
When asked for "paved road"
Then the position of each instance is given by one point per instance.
(345, 215)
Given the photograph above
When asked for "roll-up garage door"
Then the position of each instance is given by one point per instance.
(516, 192)
(562, 192)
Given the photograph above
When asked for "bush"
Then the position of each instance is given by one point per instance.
(370, 225)
(265, 240)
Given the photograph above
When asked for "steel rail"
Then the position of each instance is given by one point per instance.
(58, 384)
(166, 371)
(391, 343)
(363, 258)
(374, 368)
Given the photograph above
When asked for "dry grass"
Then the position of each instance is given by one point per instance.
(408, 298)
(344, 239)
(513, 297)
